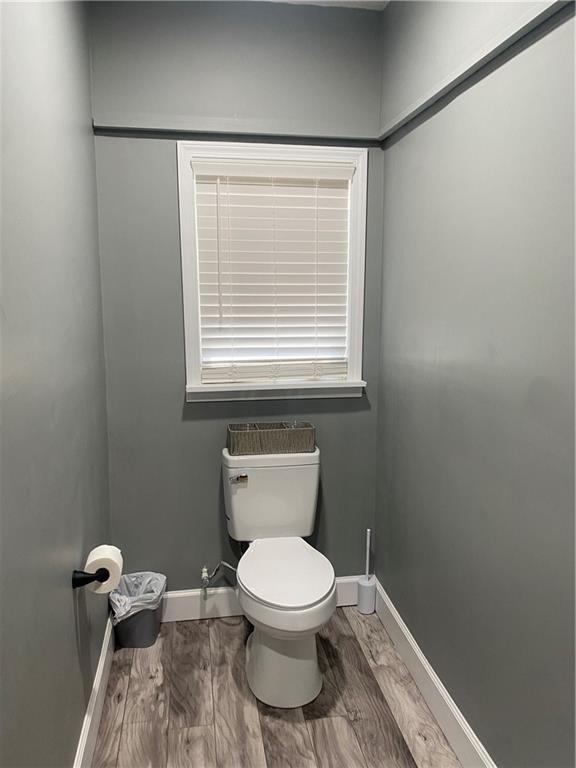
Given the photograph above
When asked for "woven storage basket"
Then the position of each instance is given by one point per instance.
(274, 437)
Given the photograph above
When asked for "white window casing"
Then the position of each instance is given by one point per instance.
(273, 251)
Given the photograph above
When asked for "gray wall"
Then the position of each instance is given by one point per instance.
(240, 67)
(476, 508)
(427, 44)
(166, 501)
(53, 493)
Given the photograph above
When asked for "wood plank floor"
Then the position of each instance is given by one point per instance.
(185, 703)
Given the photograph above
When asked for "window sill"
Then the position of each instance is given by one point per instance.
(217, 393)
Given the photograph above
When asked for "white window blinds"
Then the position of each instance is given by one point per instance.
(273, 265)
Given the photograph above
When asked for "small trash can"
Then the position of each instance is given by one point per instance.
(136, 609)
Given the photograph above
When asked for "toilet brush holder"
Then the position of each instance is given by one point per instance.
(367, 594)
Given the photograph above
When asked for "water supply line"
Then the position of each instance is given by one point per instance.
(207, 577)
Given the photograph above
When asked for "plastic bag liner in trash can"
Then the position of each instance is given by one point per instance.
(136, 608)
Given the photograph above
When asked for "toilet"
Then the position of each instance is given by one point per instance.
(286, 588)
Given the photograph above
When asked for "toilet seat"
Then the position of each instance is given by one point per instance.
(285, 574)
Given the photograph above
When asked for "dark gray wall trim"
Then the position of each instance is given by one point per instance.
(252, 138)
(529, 33)
(540, 25)
(281, 68)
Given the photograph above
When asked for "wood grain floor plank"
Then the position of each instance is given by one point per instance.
(192, 747)
(363, 698)
(335, 743)
(380, 747)
(360, 692)
(148, 693)
(286, 739)
(143, 745)
(425, 738)
(236, 721)
(190, 675)
(329, 702)
(110, 729)
(373, 638)
(420, 729)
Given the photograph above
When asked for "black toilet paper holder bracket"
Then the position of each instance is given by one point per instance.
(82, 578)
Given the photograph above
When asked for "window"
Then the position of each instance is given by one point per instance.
(273, 246)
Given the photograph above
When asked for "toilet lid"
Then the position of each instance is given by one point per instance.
(285, 573)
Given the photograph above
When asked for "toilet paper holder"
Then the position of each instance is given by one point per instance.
(82, 578)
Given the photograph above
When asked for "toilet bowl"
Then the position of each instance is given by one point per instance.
(287, 590)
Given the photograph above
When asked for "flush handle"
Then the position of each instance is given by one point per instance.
(239, 479)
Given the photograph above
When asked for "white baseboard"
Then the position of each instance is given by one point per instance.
(192, 604)
(218, 602)
(460, 735)
(89, 732)
(347, 590)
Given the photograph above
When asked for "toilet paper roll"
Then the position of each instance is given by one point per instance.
(109, 557)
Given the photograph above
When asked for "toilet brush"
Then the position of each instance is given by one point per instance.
(367, 584)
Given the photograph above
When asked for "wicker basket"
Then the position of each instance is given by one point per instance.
(274, 437)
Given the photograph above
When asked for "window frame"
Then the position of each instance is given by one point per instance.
(187, 152)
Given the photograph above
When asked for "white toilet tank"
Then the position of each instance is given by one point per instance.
(271, 495)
